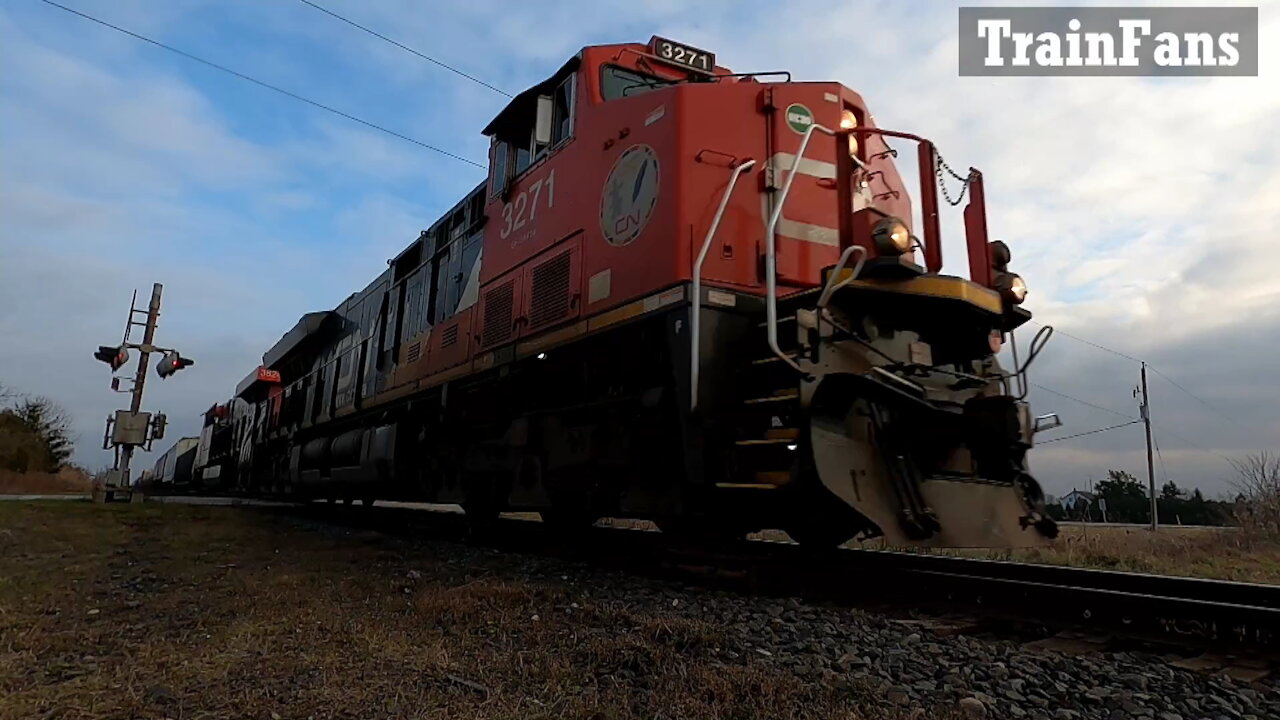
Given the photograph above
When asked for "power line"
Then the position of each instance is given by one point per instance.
(1152, 368)
(1193, 395)
(1082, 402)
(1156, 441)
(1092, 344)
(1193, 443)
(260, 83)
(1089, 432)
(406, 48)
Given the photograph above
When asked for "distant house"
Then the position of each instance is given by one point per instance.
(1077, 500)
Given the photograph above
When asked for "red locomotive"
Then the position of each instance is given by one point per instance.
(682, 294)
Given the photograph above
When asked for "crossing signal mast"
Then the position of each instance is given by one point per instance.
(132, 428)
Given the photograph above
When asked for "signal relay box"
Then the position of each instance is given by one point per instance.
(130, 428)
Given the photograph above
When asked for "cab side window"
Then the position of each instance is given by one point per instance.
(562, 117)
(616, 82)
(515, 147)
(498, 163)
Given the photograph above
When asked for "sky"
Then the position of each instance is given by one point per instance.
(1141, 212)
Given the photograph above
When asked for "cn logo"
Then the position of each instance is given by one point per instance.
(627, 225)
(629, 195)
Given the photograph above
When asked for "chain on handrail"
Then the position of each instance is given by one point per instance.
(939, 166)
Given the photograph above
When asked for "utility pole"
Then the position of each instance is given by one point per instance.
(130, 429)
(1151, 470)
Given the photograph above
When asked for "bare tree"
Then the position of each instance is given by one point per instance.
(1258, 483)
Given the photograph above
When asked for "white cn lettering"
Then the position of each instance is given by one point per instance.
(994, 31)
(1132, 29)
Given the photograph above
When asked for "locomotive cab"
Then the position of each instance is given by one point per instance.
(778, 202)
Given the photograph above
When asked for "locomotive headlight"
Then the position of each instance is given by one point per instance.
(891, 237)
(849, 121)
(1012, 287)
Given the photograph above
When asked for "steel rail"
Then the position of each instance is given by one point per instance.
(1183, 611)
(1187, 611)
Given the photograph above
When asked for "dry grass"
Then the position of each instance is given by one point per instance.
(66, 480)
(1222, 553)
(139, 611)
(1250, 553)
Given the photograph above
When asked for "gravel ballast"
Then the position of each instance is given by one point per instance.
(915, 667)
(171, 611)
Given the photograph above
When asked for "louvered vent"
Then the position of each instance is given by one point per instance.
(499, 303)
(414, 353)
(549, 294)
(450, 336)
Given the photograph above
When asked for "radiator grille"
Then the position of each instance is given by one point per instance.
(449, 336)
(549, 294)
(499, 305)
(414, 353)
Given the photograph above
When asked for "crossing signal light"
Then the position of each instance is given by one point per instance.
(116, 357)
(172, 362)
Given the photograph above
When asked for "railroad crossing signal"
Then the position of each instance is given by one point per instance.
(171, 363)
(131, 429)
(116, 357)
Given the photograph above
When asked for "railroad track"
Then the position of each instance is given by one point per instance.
(1186, 612)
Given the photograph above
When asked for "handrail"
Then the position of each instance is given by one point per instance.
(770, 255)
(832, 283)
(694, 318)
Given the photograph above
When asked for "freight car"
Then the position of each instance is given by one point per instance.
(174, 467)
(682, 294)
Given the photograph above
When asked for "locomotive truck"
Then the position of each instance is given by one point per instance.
(683, 294)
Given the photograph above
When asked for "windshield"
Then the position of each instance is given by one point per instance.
(616, 82)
